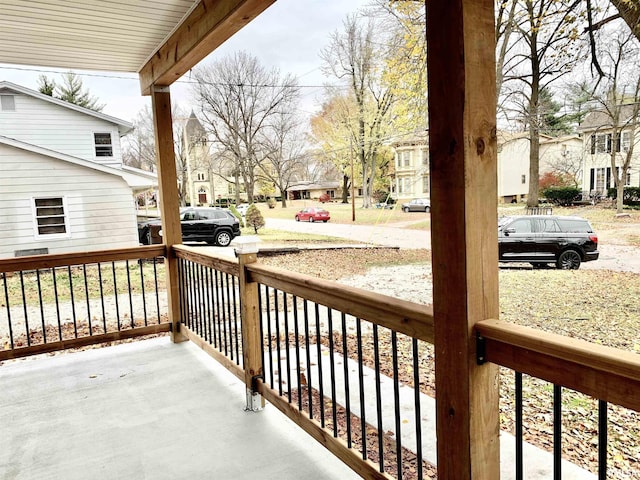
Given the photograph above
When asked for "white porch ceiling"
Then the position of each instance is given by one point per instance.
(108, 35)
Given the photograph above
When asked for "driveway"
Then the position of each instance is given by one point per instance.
(621, 258)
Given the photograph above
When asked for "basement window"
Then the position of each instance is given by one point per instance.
(50, 216)
(104, 147)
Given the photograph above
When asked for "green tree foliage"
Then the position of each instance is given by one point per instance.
(552, 122)
(70, 90)
(254, 218)
(562, 195)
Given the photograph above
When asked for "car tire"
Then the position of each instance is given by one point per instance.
(147, 238)
(297, 218)
(406, 209)
(223, 238)
(427, 209)
(310, 219)
(325, 221)
(568, 260)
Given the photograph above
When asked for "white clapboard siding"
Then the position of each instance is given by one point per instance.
(99, 205)
(58, 128)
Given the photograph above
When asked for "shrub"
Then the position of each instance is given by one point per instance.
(271, 202)
(552, 179)
(631, 195)
(562, 195)
(254, 218)
(324, 198)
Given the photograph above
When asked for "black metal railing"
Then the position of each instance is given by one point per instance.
(210, 307)
(53, 302)
(356, 379)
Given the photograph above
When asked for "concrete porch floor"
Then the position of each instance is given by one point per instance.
(145, 410)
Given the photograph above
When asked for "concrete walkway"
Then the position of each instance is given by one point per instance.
(145, 410)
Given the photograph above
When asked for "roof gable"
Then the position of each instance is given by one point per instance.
(123, 126)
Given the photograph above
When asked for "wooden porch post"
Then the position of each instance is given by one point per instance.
(462, 144)
(169, 204)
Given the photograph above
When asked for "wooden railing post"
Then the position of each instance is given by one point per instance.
(463, 153)
(247, 253)
(169, 200)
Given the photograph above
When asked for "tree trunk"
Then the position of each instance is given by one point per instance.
(283, 192)
(345, 188)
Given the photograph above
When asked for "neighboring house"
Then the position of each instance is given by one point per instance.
(312, 191)
(412, 164)
(203, 185)
(598, 144)
(63, 185)
(412, 168)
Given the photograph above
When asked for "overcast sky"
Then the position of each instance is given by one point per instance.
(288, 35)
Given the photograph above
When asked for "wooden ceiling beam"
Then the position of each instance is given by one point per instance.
(209, 25)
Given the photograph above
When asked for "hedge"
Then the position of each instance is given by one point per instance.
(631, 195)
(562, 195)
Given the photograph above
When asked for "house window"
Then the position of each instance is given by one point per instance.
(7, 103)
(425, 184)
(331, 193)
(523, 179)
(406, 158)
(626, 141)
(602, 143)
(50, 216)
(425, 157)
(104, 148)
(600, 179)
(201, 177)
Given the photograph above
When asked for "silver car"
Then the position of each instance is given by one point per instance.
(417, 205)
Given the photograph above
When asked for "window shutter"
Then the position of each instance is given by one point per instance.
(591, 181)
(593, 151)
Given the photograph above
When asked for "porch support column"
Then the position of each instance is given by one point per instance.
(462, 145)
(169, 205)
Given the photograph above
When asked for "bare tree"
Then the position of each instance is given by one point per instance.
(139, 150)
(238, 98)
(351, 56)
(549, 33)
(284, 146)
(617, 98)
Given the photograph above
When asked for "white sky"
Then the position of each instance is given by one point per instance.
(289, 35)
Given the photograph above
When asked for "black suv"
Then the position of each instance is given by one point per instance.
(216, 226)
(544, 239)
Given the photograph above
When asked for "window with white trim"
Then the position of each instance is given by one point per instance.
(50, 216)
(104, 147)
(425, 184)
(406, 158)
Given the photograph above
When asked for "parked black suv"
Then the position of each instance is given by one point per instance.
(216, 226)
(544, 239)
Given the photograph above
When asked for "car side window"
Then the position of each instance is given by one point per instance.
(549, 225)
(522, 225)
(189, 216)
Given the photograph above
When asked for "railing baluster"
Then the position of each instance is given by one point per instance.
(130, 295)
(73, 304)
(104, 313)
(376, 356)
(44, 328)
(115, 294)
(320, 369)
(238, 335)
(55, 294)
(181, 289)
(261, 307)
(332, 371)
(230, 320)
(602, 439)
(557, 432)
(277, 315)
(396, 402)
(208, 316)
(363, 419)
(144, 299)
(269, 344)
(219, 309)
(155, 282)
(286, 345)
(345, 363)
(6, 297)
(86, 291)
(297, 346)
(307, 347)
(24, 309)
(417, 407)
(519, 428)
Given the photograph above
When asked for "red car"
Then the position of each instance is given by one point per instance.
(313, 214)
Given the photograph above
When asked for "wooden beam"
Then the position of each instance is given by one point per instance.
(169, 204)
(462, 145)
(209, 25)
(602, 372)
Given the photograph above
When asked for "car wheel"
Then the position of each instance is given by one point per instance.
(310, 219)
(427, 209)
(325, 221)
(147, 238)
(223, 238)
(568, 260)
(406, 209)
(297, 218)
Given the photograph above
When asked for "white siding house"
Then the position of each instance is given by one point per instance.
(62, 184)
